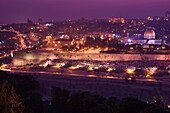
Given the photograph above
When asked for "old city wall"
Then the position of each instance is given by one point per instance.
(112, 57)
(23, 58)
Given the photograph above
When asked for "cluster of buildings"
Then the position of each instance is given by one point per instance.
(33, 43)
(83, 33)
(149, 38)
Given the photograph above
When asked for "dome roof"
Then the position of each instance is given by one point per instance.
(149, 34)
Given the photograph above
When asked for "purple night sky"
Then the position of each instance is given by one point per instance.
(20, 10)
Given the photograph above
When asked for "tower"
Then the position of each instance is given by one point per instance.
(40, 21)
(29, 22)
(167, 14)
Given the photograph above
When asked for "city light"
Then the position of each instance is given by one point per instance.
(56, 66)
(130, 70)
(109, 70)
(59, 65)
(75, 67)
(150, 71)
(3, 66)
(85, 53)
(169, 106)
(147, 76)
(90, 68)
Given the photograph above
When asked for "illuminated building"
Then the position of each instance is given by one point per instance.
(64, 37)
(49, 40)
(149, 34)
(21, 58)
(23, 45)
(116, 20)
(149, 38)
(149, 18)
(63, 42)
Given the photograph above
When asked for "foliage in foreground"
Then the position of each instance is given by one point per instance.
(63, 101)
(10, 102)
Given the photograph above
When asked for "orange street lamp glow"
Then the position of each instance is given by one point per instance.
(130, 71)
(90, 69)
(109, 70)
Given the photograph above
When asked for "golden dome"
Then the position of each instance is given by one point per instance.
(149, 34)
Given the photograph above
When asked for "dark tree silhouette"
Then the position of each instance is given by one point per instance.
(10, 102)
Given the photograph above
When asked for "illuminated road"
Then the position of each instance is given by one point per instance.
(4, 56)
(79, 74)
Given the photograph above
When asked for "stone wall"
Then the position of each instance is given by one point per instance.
(22, 58)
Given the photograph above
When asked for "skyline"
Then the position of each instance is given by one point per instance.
(17, 11)
(85, 56)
